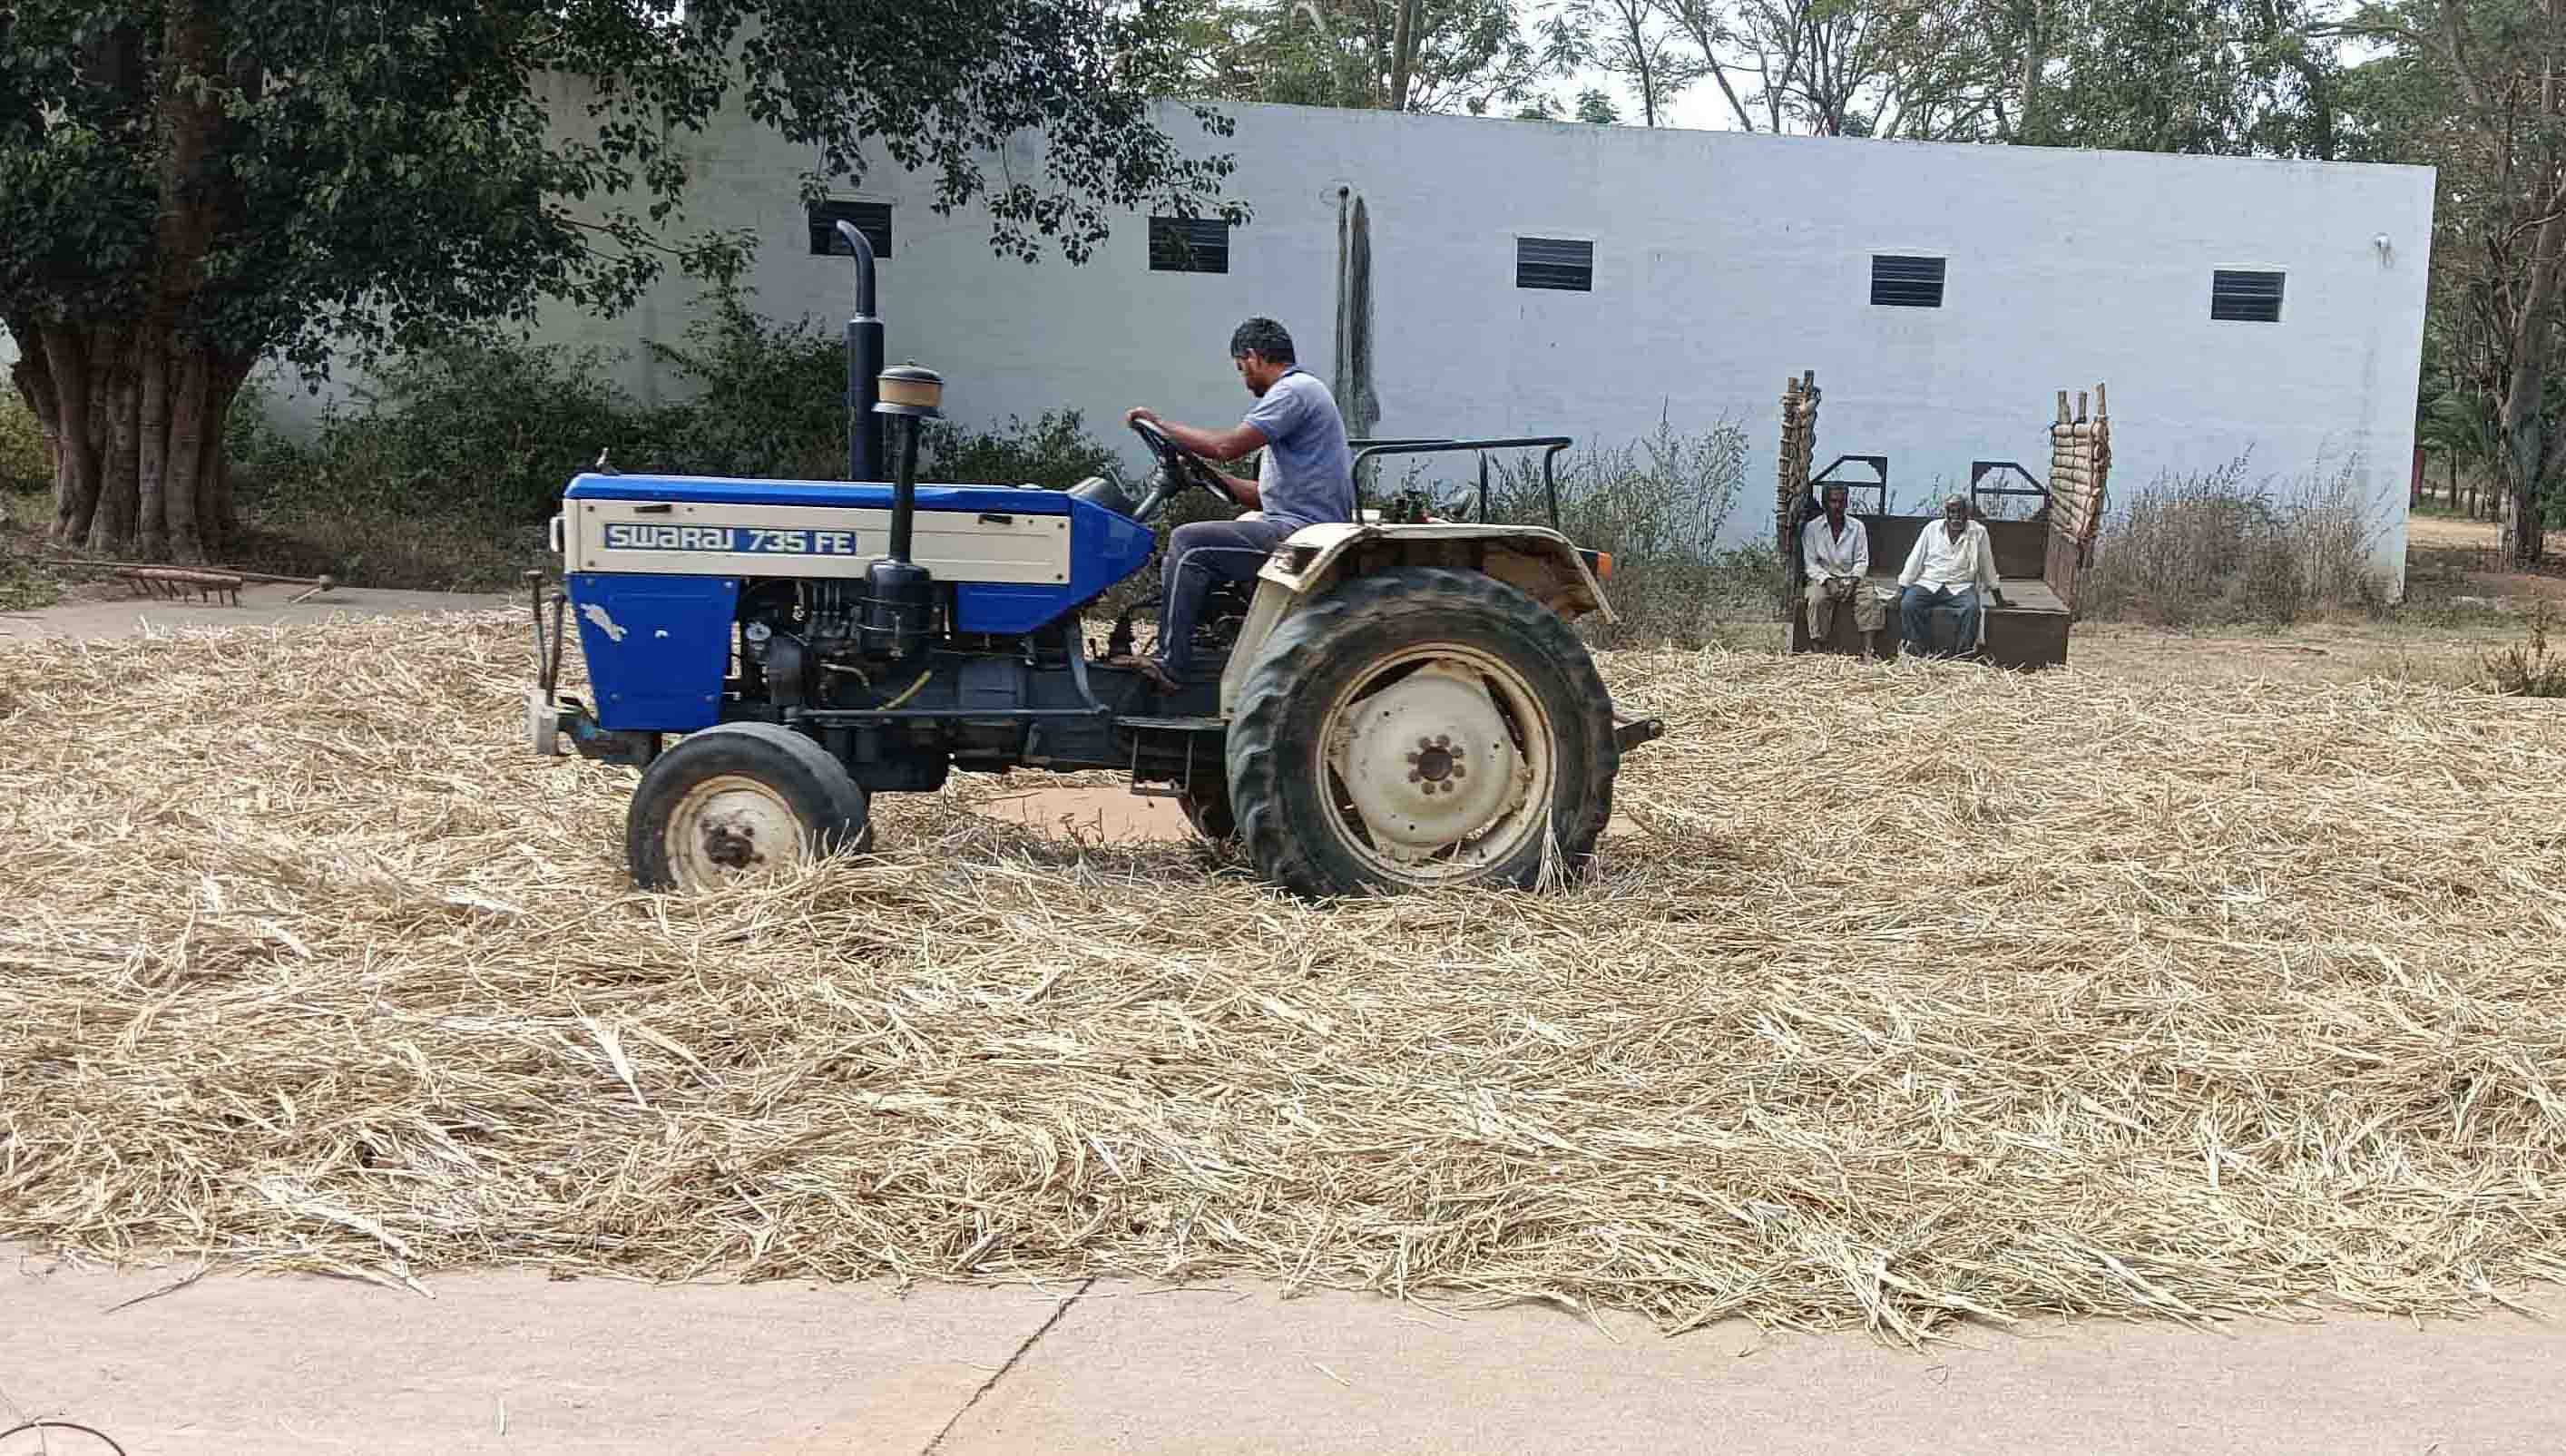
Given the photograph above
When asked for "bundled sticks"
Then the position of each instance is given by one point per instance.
(2080, 467)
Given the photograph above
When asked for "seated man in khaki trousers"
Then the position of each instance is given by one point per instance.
(1835, 553)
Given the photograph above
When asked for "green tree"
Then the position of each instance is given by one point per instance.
(2224, 75)
(188, 186)
(2479, 88)
(1383, 55)
(2227, 77)
(1597, 108)
(1629, 40)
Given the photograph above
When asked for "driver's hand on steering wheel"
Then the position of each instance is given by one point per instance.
(1139, 414)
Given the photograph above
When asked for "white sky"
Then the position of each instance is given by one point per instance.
(1698, 108)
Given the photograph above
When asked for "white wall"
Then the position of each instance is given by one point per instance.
(1723, 264)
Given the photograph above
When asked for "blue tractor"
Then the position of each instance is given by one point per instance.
(1395, 703)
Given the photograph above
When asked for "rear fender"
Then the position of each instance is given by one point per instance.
(1540, 563)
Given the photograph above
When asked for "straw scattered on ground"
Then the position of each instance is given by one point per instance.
(1921, 992)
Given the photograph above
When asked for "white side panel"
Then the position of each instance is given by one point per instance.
(677, 538)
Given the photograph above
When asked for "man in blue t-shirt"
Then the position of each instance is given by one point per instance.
(1307, 478)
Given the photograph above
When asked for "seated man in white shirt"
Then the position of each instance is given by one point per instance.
(1835, 553)
(1951, 562)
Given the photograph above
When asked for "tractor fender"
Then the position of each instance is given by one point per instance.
(1538, 561)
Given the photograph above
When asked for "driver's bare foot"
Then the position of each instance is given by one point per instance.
(1149, 668)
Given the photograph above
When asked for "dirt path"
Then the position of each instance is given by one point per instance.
(2442, 533)
(1096, 814)
(261, 605)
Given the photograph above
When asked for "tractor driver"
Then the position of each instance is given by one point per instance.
(1307, 478)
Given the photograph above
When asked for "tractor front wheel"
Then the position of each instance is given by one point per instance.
(739, 801)
(1419, 728)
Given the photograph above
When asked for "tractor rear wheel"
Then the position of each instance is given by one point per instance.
(1422, 727)
(739, 801)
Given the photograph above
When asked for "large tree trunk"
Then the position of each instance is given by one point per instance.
(2519, 499)
(138, 465)
(135, 409)
(216, 517)
(2032, 128)
(118, 507)
(152, 469)
(189, 436)
(2523, 454)
(74, 462)
(34, 381)
(1403, 53)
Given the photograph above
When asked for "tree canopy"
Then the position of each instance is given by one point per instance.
(188, 186)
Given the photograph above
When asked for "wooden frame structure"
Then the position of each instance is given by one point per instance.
(2038, 560)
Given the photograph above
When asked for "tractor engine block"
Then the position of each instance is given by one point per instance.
(805, 641)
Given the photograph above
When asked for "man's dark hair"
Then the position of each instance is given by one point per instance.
(1262, 336)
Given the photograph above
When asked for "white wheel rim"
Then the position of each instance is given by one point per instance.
(730, 828)
(1437, 765)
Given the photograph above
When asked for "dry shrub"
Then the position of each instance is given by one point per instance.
(2213, 549)
(1888, 1009)
(1660, 505)
(2528, 669)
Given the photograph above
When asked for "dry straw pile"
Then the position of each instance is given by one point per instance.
(1910, 993)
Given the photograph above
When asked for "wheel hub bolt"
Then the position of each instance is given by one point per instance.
(730, 848)
(1435, 761)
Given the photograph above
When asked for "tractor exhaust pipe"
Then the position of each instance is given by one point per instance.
(864, 362)
(899, 597)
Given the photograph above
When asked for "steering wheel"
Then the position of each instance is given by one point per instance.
(1181, 467)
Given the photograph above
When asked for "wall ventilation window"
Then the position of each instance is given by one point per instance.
(1559, 263)
(2245, 298)
(1899, 281)
(1188, 245)
(873, 219)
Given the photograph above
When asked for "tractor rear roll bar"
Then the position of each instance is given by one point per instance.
(1549, 445)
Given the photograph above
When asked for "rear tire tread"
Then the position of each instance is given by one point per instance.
(1301, 646)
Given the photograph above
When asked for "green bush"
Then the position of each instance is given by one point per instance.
(492, 431)
(1053, 451)
(769, 399)
(26, 498)
(485, 430)
(25, 464)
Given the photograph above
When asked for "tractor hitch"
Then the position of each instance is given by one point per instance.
(549, 715)
(1630, 733)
